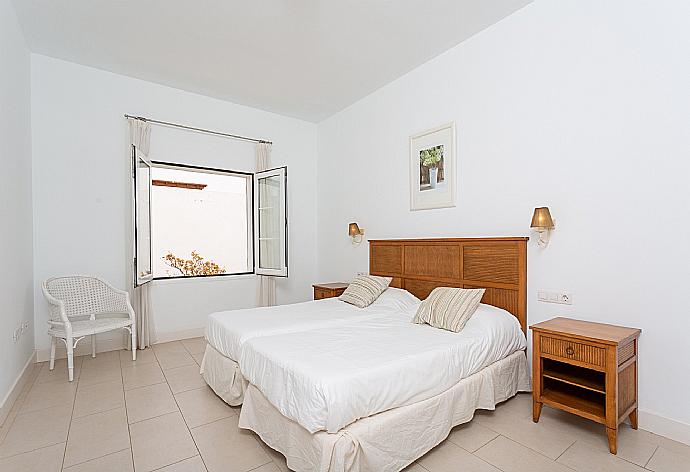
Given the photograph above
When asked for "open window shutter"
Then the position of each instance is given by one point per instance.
(270, 235)
(141, 173)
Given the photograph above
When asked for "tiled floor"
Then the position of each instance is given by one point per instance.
(158, 414)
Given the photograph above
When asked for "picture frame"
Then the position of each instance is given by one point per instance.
(432, 168)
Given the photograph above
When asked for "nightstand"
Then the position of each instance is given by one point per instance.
(328, 290)
(588, 369)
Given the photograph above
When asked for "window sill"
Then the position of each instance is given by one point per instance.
(207, 279)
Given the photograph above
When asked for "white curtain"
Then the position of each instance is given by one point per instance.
(267, 284)
(140, 137)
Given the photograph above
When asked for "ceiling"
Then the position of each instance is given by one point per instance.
(301, 58)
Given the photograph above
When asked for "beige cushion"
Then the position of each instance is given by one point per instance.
(449, 308)
(364, 290)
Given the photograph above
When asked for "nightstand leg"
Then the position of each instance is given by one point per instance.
(633, 419)
(536, 411)
(613, 445)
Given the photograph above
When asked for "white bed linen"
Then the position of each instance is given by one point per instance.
(391, 440)
(326, 378)
(227, 331)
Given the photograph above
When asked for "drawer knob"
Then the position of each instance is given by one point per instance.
(570, 351)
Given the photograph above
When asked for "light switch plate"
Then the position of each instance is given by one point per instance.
(551, 296)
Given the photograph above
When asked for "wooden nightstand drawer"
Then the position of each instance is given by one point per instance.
(573, 351)
(319, 294)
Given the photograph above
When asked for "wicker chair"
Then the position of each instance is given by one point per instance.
(85, 306)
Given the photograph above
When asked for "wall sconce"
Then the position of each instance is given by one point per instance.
(355, 232)
(542, 223)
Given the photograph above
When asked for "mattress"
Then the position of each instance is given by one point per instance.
(328, 377)
(227, 331)
(391, 440)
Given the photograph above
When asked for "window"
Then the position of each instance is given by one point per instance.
(197, 222)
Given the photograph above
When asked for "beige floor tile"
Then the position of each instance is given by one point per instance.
(37, 429)
(59, 373)
(148, 402)
(224, 447)
(116, 462)
(582, 457)
(633, 446)
(142, 375)
(270, 467)
(161, 441)
(172, 359)
(202, 406)
(195, 345)
(193, 464)
(108, 358)
(98, 397)
(172, 346)
(510, 456)
(549, 438)
(184, 378)
(198, 358)
(143, 357)
(45, 395)
(96, 435)
(448, 457)
(47, 459)
(471, 436)
(94, 373)
(664, 460)
(668, 444)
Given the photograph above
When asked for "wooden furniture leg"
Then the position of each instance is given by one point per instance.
(536, 411)
(613, 445)
(633, 419)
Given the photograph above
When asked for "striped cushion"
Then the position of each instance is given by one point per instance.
(449, 308)
(364, 289)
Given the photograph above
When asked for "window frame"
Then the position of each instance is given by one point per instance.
(250, 218)
(268, 272)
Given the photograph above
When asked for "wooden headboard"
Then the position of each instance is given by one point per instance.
(419, 265)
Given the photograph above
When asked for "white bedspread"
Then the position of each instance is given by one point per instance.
(227, 331)
(326, 378)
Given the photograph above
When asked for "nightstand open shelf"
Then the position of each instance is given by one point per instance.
(576, 376)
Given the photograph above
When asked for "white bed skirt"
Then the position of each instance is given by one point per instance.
(223, 375)
(386, 442)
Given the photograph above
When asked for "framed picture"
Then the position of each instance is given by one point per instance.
(432, 168)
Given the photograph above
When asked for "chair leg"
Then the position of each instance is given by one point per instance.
(93, 345)
(134, 343)
(53, 342)
(70, 358)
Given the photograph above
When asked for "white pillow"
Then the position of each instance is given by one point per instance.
(364, 289)
(397, 299)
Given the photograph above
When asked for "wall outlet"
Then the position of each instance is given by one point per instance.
(549, 296)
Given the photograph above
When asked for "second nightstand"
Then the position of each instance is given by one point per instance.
(328, 290)
(589, 369)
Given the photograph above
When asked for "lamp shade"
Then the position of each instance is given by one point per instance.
(542, 218)
(353, 230)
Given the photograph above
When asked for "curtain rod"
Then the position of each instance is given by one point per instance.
(200, 130)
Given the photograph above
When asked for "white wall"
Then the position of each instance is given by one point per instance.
(81, 183)
(16, 276)
(578, 105)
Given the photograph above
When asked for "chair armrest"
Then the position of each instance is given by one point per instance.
(56, 306)
(122, 298)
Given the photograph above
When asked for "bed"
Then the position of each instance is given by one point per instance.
(382, 391)
(228, 331)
